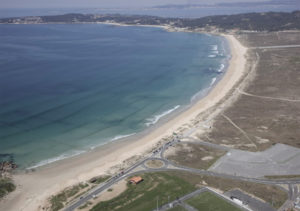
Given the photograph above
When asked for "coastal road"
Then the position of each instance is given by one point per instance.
(156, 155)
(168, 166)
(94, 192)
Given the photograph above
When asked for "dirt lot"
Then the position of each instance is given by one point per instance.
(194, 155)
(268, 110)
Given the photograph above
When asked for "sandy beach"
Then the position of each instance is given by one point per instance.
(34, 188)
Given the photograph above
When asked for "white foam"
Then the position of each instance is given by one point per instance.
(112, 139)
(222, 66)
(199, 94)
(212, 56)
(214, 47)
(60, 157)
(214, 50)
(213, 81)
(121, 136)
(153, 120)
(74, 153)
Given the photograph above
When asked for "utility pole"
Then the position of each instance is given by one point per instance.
(157, 203)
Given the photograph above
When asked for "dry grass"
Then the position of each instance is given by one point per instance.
(144, 196)
(282, 176)
(57, 202)
(269, 39)
(154, 164)
(265, 121)
(195, 155)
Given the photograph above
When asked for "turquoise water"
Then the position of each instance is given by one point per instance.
(65, 89)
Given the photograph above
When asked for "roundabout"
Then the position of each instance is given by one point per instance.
(155, 163)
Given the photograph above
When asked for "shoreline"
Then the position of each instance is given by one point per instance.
(35, 187)
(156, 120)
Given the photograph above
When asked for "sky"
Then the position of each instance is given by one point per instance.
(104, 3)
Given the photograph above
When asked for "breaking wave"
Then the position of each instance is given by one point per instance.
(153, 120)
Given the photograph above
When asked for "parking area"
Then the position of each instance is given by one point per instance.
(253, 203)
(280, 159)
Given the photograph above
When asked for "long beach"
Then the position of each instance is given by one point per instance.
(35, 187)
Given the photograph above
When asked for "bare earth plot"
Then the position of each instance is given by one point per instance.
(193, 155)
(268, 110)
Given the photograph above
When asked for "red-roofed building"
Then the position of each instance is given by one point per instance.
(136, 180)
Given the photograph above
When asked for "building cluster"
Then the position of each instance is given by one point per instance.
(27, 20)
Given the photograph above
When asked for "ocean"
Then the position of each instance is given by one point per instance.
(67, 88)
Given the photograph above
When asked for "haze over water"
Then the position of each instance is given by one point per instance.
(67, 88)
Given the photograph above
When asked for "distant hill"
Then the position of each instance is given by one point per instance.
(232, 4)
(270, 21)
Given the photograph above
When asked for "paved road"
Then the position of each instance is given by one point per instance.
(164, 166)
(276, 46)
(195, 171)
(293, 192)
(127, 173)
(104, 186)
(252, 202)
(169, 166)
